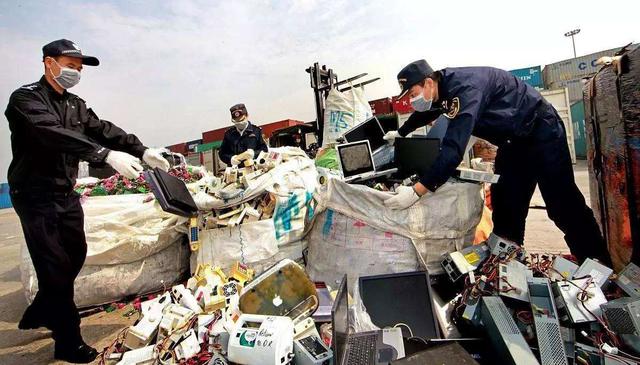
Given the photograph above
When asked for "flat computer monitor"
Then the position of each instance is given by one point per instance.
(415, 155)
(401, 298)
(355, 158)
(369, 130)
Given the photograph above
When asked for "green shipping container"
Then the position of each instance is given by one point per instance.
(579, 136)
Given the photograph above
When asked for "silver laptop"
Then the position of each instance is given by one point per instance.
(357, 163)
(365, 348)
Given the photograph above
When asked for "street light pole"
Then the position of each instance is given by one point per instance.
(572, 34)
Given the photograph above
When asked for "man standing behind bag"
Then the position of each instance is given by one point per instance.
(243, 137)
(51, 130)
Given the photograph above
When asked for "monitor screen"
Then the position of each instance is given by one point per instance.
(416, 155)
(369, 130)
(400, 298)
(340, 322)
(355, 158)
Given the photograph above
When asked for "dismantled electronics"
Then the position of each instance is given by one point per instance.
(457, 264)
(512, 280)
(578, 300)
(504, 334)
(598, 272)
(259, 339)
(545, 319)
(629, 280)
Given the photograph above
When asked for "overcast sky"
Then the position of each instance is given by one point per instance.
(171, 69)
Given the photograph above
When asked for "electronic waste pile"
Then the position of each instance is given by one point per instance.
(545, 309)
(234, 183)
(219, 318)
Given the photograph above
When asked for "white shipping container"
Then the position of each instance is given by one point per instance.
(574, 86)
(559, 98)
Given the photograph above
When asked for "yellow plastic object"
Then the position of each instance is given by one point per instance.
(241, 273)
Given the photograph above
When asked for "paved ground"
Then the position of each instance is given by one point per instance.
(36, 347)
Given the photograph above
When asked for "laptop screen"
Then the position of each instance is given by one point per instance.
(355, 158)
(400, 298)
(340, 322)
(369, 130)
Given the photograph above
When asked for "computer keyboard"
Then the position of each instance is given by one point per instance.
(362, 350)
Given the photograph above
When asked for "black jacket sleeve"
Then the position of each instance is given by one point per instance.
(47, 129)
(419, 119)
(112, 137)
(225, 149)
(456, 138)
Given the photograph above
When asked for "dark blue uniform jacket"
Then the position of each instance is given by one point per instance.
(488, 103)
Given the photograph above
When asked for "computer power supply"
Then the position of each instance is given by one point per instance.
(503, 332)
(545, 319)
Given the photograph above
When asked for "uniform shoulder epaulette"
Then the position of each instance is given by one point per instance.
(31, 87)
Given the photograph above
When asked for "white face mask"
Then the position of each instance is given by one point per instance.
(420, 104)
(68, 77)
(240, 126)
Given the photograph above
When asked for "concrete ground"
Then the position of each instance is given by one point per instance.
(35, 347)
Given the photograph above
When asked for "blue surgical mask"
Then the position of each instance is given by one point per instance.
(68, 77)
(420, 104)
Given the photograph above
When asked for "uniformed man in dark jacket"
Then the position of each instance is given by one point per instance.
(494, 105)
(243, 136)
(51, 130)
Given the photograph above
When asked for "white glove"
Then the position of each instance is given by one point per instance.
(391, 136)
(127, 165)
(246, 155)
(404, 198)
(153, 158)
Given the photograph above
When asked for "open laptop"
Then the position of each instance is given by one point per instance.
(357, 163)
(366, 348)
(387, 303)
(371, 130)
(415, 155)
(171, 193)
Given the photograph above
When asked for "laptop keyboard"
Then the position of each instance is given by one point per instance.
(362, 350)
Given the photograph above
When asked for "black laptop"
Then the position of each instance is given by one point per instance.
(363, 348)
(415, 155)
(171, 193)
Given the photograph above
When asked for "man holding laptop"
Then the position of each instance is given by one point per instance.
(494, 105)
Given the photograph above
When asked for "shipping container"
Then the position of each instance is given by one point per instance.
(381, 106)
(402, 106)
(612, 110)
(178, 148)
(579, 137)
(574, 87)
(559, 98)
(530, 75)
(5, 198)
(574, 68)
